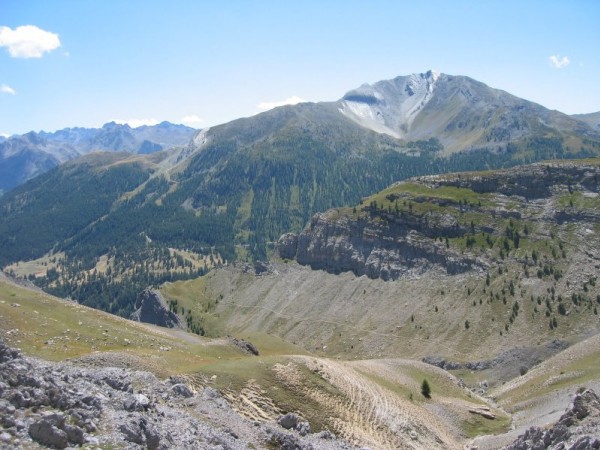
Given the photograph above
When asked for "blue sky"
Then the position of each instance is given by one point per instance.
(84, 63)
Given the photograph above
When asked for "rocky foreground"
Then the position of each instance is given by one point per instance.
(577, 429)
(61, 405)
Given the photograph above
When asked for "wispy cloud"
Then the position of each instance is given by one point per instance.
(28, 41)
(134, 123)
(558, 63)
(263, 106)
(192, 121)
(5, 89)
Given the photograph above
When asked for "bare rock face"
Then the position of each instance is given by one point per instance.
(150, 307)
(530, 182)
(378, 249)
(390, 243)
(578, 428)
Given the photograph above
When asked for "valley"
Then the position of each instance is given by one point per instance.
(483, 284)
(412, 266)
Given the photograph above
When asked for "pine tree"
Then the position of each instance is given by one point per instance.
(425, 389)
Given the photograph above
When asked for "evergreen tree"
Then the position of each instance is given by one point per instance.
(425, 389)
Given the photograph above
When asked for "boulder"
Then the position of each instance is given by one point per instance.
(288, 421)
(133, 432)
(49, 431)
(139, 431)
(7, 353)
(303, 428)
(137, 402)
(182, 390)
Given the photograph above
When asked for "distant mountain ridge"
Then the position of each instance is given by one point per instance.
(592, 119)
(453, 113)
(23, 157)
(235, 188)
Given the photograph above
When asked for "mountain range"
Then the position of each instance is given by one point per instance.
(412, 266)
(456, 112)
(233, 189)
(23, 157)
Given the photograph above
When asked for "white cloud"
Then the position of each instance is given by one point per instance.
(134, 123)
(5, 89)
(28, 41)
(288, 101)
(192, 120)
(558, 62)
(5, 135)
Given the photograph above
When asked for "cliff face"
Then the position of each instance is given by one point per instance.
(536, 181)
(379, 248)
(454, 223)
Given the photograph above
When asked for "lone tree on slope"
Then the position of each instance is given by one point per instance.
(425, 389)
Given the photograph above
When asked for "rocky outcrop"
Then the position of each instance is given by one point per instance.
(245, 346)
(399, 240)
(291, 421)
(578, 428)
(151, 307)
(287, 246)
(63, 405)
(386, 249)
(507, 365)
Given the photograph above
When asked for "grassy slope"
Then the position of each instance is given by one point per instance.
(52, 328)
(283, 378)
(571, 369)
(349, 317)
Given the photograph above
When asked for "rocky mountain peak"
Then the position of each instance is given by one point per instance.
(462, 113)
(390, 106)
(115, 126)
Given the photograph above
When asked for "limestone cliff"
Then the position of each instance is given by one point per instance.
(385, 249)
(454, 223)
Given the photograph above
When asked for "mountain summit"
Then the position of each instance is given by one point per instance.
(460, 112)
(451, 113)
(390, 106)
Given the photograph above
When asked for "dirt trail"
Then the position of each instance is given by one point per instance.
(367, 414)
(253, 403)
